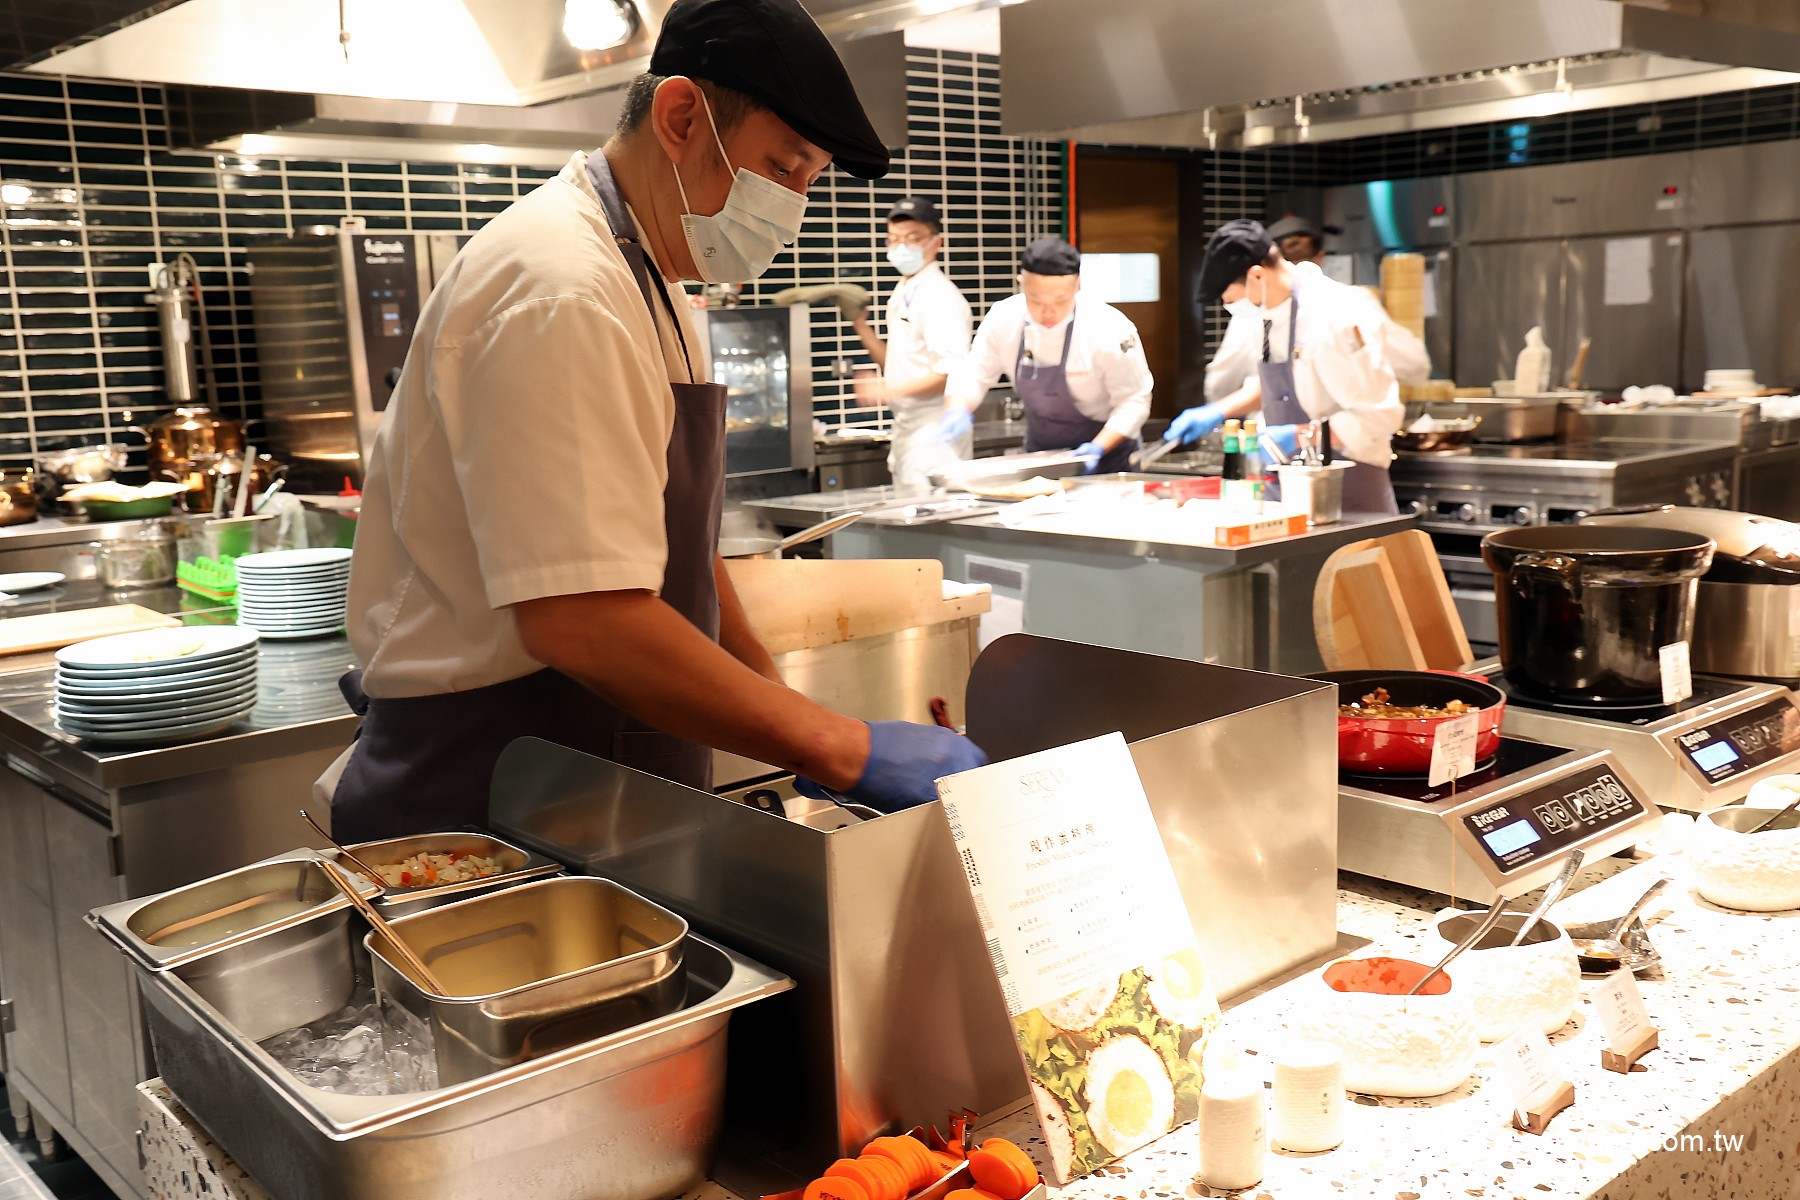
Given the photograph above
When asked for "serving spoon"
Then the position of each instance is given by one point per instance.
(1610, 950)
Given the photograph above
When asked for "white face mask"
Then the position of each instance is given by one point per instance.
(759, 218)
(1246, 307)
(907, 259)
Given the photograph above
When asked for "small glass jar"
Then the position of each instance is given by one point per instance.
(143, 558)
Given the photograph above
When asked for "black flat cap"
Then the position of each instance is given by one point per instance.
(1292, 225)
(917, 208)
(1051, 256)
(773, 52)
(1233, 249)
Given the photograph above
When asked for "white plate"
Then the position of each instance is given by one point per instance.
(286, 612)
(256, 591)
(167, 716)
(288, 560)
(182, 733)
(30, 581)
(70, 721)
(285, 602)
(172, 648)
(295, 635)
(285, 579)
(297, 616)
(114, 702)
(206, 667)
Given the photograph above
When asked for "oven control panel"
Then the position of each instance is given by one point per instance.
(1554, 816)
(1743, 742)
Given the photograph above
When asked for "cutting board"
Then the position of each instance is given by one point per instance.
(799, 603)
(52, 631)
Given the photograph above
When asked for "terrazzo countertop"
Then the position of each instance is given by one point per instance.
(1714, 1112)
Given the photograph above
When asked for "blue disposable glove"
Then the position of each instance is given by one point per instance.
(905, 762)
(1090, 453)
(1195, 424)
(1285, 437)
(956, 422)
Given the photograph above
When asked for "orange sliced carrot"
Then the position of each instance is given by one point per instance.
(835, 1187)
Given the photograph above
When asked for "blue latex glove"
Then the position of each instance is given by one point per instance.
(1195, 424)
(1286, 437)
(955, 424)
(1091, 453)
(905, 762)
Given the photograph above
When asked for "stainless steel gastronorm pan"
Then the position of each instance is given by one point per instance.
(516, 866)
(532, 969)
(632, 1116)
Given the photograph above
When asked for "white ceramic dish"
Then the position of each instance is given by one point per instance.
(71, 719)
(283, 595)
(148, 682)
(300, 635)
(185, 733)
(158, 649)
(89, 710)
(1539, 982)
(156, 695)
(308, 616)
(30, 581)
(1751, 872)
(153, 684)
(1393, 1044)
(288, 560)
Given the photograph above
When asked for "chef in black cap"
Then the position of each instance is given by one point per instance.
(537, 548)
(928, 329)
(1321, 353)
(1077, 363)
(1298, 239)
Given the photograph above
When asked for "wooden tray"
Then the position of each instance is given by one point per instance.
(52, 631)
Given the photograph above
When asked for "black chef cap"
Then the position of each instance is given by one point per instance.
(1233, 249)
(1051, 256)
(917, 208)
(774, 53)
(1291, 225)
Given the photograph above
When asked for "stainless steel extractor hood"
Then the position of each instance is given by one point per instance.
(457, 80)
(1228, 75)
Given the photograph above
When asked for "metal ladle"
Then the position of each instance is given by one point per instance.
(1552, 894)
(1480, 931)
(1764, 824)
(1611, 950)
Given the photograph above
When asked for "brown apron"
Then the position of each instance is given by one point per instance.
(426, 762)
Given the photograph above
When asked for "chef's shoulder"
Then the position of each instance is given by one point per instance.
(1112, 332)
(939, 288)
(552, 247)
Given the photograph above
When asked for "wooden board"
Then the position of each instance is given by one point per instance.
(1383, 604)
(52, 631)
(799, 603)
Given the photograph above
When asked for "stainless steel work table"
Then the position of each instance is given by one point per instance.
(83, 826)
(1246, 606)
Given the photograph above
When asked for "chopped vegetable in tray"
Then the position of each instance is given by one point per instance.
(1378, 704)
(434, 870)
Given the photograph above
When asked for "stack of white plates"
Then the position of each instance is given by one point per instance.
(167, 685)
(288, 594)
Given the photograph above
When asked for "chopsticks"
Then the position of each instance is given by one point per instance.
(413, 961)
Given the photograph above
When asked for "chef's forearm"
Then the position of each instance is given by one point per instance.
(735, 632)
(877, 349)
(645, 658)
(911, 389)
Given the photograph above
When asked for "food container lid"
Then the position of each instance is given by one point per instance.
(187, 923)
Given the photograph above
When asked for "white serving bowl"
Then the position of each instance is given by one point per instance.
(1537, 982)
(1393, 1044)
(1754, 872)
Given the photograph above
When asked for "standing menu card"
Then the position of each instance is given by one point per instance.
(1091, 943)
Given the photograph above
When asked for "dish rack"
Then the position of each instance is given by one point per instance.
(209, 578)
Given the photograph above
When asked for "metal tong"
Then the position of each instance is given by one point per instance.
(1155, 452)
(1487, 922)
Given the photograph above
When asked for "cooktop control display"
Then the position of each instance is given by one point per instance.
(1552, 817)
(1742, 742)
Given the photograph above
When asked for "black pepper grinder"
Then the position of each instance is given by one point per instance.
(1325, 442)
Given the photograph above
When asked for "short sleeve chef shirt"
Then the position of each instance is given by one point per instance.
(523, 454)
(928, 329)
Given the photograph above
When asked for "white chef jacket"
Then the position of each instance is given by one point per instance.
(524, 452)
(1342, 369)
(928, 329)
(1109, 378)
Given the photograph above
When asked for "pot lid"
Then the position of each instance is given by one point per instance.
(1751, 548)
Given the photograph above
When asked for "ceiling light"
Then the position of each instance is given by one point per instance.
(598, 24)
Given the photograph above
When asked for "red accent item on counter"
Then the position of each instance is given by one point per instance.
(349, 489)
(1402, 745)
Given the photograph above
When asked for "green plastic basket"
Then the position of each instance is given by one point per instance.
(212, 578)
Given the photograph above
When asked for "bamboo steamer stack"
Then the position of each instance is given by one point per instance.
(1403, 291)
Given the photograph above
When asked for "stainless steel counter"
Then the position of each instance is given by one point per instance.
(1248, 606)
(83, 826)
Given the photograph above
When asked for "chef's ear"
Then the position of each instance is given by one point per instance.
(678, 119)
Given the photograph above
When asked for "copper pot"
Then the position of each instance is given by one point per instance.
(212, 471)
(181, 444)
(18, 495)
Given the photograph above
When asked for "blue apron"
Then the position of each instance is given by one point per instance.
(1366, 487)
(426, 762)
(1052, 422)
